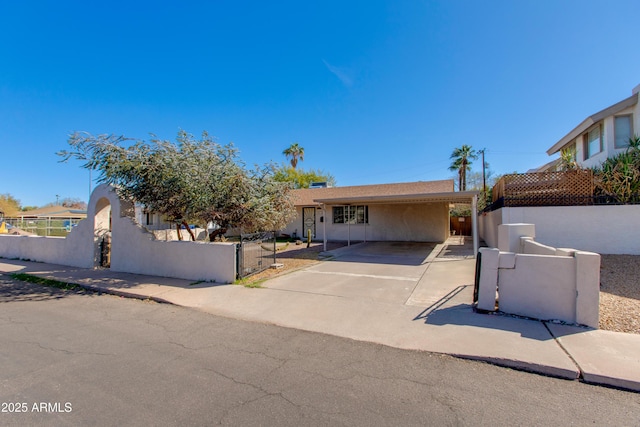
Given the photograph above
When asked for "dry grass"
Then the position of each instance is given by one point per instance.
(620, 293)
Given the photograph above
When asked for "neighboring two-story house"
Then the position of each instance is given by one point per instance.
(601, 135)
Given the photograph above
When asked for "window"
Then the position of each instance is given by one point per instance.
(350, 214)
(338, 214)
(622, 131)
(593, 142)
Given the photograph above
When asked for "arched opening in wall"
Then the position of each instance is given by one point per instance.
(102, 233)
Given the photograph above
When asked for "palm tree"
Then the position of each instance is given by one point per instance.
(462, 163)
(568, 159)
(295, 151)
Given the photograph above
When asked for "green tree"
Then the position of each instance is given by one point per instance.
(300, 178)
(295, 151)
(192, 181)
(9, 205)
(462, 159)
(475, 182)
(69, 202)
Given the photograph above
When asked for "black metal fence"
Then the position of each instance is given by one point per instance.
(255, 253)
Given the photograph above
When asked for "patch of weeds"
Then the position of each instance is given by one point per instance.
(279, 247)
(23, 277)
(248, 283)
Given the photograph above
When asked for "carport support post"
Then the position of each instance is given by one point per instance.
(348, 225)
(474, 223)
(324, 227)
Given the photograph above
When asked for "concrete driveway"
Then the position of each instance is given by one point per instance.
(392, 272)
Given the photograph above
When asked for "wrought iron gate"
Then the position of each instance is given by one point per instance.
(476, 283)
(309, 221)
(254, 253)
(105, 251)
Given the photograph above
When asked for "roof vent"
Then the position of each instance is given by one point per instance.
(319, 185)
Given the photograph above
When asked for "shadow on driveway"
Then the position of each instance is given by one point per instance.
(392, 253)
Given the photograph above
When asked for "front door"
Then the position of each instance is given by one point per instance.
(309, 221)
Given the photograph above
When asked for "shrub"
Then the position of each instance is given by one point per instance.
(619, 176)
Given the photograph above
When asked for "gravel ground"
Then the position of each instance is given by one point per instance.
(620, 293)
(619, 283)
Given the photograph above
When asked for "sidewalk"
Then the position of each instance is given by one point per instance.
(436, 318)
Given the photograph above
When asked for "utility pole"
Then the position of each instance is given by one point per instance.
(484, 178)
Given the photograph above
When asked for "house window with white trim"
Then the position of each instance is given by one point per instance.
(622, 130)
(351, 214)
(592, 142)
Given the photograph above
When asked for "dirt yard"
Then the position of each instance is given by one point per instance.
(620, 293)
(292, 257)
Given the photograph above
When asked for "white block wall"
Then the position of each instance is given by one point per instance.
(134, 250)
(600, 229)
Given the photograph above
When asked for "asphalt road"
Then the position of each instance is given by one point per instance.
(71, 358)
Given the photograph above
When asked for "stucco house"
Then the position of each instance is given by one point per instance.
(580, 222)
(601, 135)
(52, 212)
(411, 211)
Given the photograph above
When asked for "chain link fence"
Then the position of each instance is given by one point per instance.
(45, 226)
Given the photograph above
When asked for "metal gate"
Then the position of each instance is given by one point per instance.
(309, 221)
(476, 283)
(105, 251)
(255, 253)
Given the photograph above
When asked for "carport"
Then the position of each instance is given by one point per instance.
(425, 214)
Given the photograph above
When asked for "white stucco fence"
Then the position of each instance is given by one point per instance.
(133, 248)
(530, 279)
(600, 229)
(136, 251)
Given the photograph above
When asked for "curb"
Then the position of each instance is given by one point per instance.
(562, 373)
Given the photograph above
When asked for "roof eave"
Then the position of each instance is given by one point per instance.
(591, 120)
(459, 196)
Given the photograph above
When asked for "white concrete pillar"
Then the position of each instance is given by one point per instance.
(324, 227)
(474, 223)
(587, 288)
(509, 236)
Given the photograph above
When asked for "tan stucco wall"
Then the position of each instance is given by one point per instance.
(421, 222)
(297, 227)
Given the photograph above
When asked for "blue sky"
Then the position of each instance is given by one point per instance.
(375, 91)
